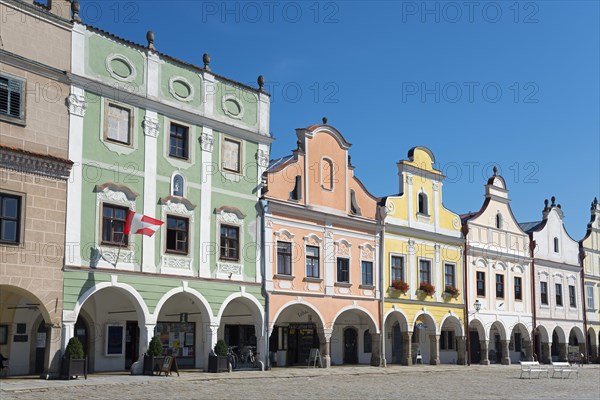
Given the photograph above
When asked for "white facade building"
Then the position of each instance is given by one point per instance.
(498, 281)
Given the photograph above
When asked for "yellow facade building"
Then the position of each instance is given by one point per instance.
(423, 304)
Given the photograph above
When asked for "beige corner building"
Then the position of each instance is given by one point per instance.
(35, 43)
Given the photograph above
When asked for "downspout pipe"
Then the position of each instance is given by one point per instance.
(532, 245)
(264, 205)
(583, 304)
(382, 290)
(465, 232)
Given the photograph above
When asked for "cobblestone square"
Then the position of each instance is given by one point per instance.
(424, 382)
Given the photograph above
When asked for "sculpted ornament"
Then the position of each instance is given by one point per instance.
(151, 126)
(77, 104)
(206, 142)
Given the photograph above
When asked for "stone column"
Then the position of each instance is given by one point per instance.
(527, 350)
(483, 344)
(54, 352)
(375, 349)
(68, 331)
(505, 352)
(407, 348)
(461, 350)
(562, 348)
(546, 353)
(146, 334)
(434, 341)
(211, 339)
(326, 348)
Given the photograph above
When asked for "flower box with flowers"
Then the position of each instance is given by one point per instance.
(427, 288)
(400, 285)
(451, 291)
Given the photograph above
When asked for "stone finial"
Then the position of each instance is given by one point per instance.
(324, 120)
(299, 144)
(553, 201)
(558, 205)
(150, 39)
(206, 61)
(261, 82)
(546, 205)
(349, 159)
(75, 7)
(495, 169)
(595, 203)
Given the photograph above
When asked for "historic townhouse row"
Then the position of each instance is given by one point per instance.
(287, 255)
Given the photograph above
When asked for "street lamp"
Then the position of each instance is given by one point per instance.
(477, 306)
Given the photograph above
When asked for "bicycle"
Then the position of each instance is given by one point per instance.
(232, 358)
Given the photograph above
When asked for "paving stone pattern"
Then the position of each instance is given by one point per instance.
(420, 382)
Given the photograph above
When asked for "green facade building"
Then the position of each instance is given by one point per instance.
(180, 144)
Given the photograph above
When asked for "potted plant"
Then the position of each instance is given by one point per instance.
(451, 291)
(218, 361)
(153, 358)
(74, 361)
(427, 288)
(400, 285)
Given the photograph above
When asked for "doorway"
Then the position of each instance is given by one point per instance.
(40, 348)
(475, 347)
(350, 346)
(396, 344)
(132, 343)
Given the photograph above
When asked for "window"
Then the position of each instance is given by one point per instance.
(558, 288)
(118, 124)
(397, 268)
(447, 340)
(449, 275)
(480, 283)
(590, 297)
(499, 221)
(367, 273)
(327, 174)
(572, 299)
(499, 286)
(296, 193)
(367, 342)
(10, 219)
(178, 186)
(113, 225)
(556, 245)
(231, 155)
(343, 270)
(544, 292)
(284, 258)
(423, 204)
(424, 271)
(11, 98)
(312, 262)
(177, 234)
(518, 288)
(230, 242)
(178, 141)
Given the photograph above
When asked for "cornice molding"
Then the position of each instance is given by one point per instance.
(30, 163)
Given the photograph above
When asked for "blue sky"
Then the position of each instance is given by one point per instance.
(515, 84)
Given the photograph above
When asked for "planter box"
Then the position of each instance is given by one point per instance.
(218, 364)
(74, 367)
(152, 364)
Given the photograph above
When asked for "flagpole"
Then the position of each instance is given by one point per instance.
(120, 246)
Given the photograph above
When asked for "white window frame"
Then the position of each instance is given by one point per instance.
(403, 268)
(589, 289)
(431, 270)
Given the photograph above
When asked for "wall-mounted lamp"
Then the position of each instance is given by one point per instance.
(477, 305)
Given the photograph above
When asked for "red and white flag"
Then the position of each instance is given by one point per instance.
(141, 224)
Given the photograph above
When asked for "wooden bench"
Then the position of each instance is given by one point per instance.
(563, 368)
(527, 367)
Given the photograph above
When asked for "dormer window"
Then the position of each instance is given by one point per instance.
(499, 221)
(556, 245)
(354, 208)
(177, 186)
(296, 193)
(423, 209)
(327, 174)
